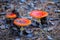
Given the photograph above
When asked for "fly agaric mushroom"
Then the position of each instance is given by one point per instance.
(9, 17)
(40, 15)
(22, 22)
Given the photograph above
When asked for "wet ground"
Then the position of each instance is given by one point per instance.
(52, 32)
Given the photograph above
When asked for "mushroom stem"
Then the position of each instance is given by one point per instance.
(21, 30)
(39, 20)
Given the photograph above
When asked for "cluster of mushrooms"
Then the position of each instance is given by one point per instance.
(20, 23)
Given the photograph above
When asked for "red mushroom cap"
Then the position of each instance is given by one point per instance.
(22, 22)
(38, 14)
(11, 15)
